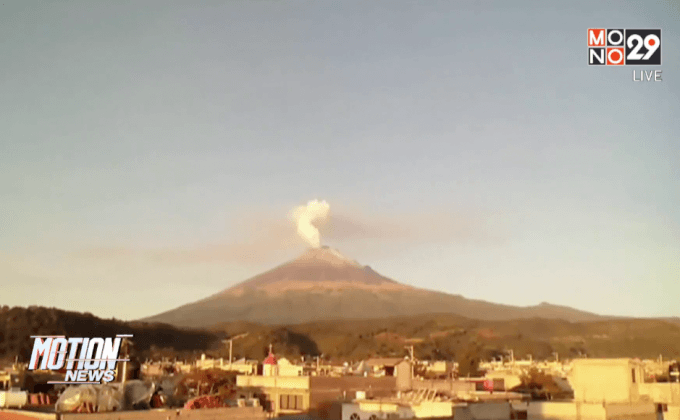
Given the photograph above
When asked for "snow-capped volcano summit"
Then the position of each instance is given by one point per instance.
(319, 269)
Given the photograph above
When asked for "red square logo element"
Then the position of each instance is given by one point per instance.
(597, 37)
(615, 57)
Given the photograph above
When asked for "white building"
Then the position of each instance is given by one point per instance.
(396, 409)
(611, 389)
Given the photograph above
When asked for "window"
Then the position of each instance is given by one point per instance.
(633, 372)
(290, 402)
(354, 416)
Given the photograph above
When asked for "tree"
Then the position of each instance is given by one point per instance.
(540, 385)
(468, 364)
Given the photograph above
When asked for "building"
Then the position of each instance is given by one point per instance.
(286, 368)
(430, 405)
(611, 389)
(303, 394)
(5, 380)
(379, 409)
(385, 366)
(375, 410)
(495, 410)
(439, 368)
(243, 366)
(508, 379)
(232, 413)
(270, 366)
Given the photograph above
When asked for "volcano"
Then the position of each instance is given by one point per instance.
(323, 284)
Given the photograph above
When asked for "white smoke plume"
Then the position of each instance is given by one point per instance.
(308, 218)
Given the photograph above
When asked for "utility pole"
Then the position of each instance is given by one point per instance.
(413, 360)
(411, 352)
(126, 344)
(231, 347)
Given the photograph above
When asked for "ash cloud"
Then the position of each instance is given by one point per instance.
(308, 218)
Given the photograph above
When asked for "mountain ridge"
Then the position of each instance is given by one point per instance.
(435, 336)
(323, 284)
(449, 336)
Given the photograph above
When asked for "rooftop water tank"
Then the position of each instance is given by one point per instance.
(9, 399)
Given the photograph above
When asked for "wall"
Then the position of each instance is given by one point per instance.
(510, 380)
(440, 367)
(483, 411)
(235, 413)
(388, 409)
(289, 370)
(317, 390)
(289, 382)
(404, 374)
(152, 370)
(295, 401)
(444, 385)
(588, 411)
(243, 368)
(462, 413)
(378, 406)
(275, 386)
(286, 368)
(490, 410)
(673, 413)
(610, 380)
(5, 379)
(25, 415)
(429, 409)
(553, 410)
(326, 388)
(633, 411)
(364, 411)
(666, 393)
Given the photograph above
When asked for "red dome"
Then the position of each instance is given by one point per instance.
(270, 360)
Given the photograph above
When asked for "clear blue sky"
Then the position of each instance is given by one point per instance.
(151, 151)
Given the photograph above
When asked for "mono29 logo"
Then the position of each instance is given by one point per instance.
(624, 47)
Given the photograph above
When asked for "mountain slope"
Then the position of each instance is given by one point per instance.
(446, 336)
(322, 284)
(17, 324)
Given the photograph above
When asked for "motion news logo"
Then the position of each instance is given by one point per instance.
(86, 360)
(624, 47)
